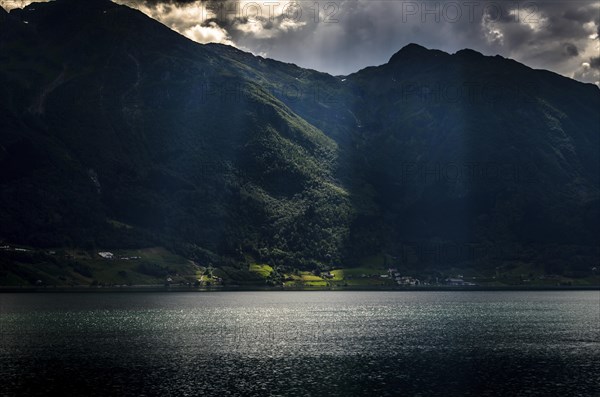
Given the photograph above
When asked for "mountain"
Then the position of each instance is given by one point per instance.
(117, 120)
(465, 148)
(117, 132)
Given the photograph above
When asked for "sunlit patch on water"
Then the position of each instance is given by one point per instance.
(301, 343)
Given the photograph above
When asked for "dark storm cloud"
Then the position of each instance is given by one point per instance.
(343, 36)
(174, 2)
(570, 50)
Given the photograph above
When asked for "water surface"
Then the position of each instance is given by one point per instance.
(301, 343)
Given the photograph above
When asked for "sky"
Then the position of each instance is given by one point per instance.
(344, 36)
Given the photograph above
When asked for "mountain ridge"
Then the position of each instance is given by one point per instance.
(230, 159)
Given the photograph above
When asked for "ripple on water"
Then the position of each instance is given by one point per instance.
(306, 343)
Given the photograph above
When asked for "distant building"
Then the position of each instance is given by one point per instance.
(106, 255)
(458, 282)
(407, 281)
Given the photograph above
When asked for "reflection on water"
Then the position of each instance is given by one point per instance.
(301, 343)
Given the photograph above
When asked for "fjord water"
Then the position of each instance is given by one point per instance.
(301, 343)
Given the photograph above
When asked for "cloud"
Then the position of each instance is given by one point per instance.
(343, 36)
(570, 49)
(212, 33)
(11, 4)
(224, 21)
(586, 73)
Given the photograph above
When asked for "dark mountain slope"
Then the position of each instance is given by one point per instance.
(118, 132)
(160, 135)
(466, 148)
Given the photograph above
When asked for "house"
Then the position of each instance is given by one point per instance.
(407, 281)
(327, 275)
(106, 254)
(458, 282)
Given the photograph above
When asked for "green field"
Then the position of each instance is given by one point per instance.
(262, 270)
(315, 283)
(25, 266)
(309, 277)
(78, 267)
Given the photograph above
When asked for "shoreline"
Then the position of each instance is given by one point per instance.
(174, 289)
